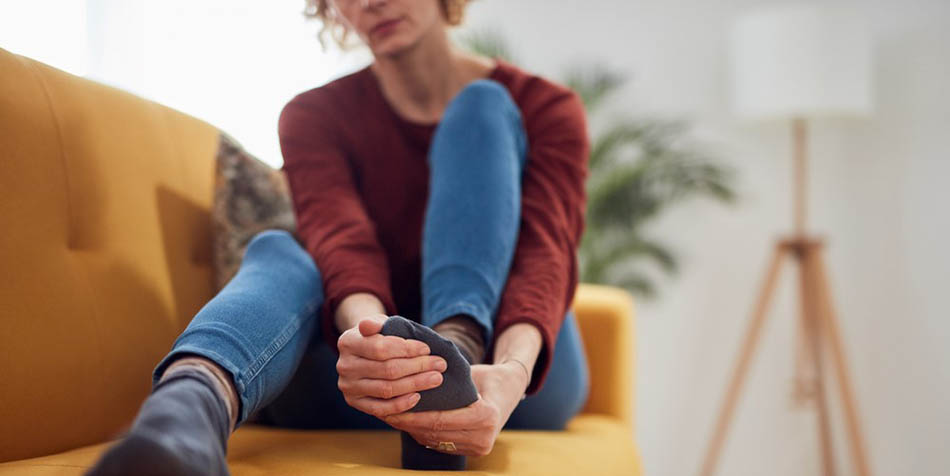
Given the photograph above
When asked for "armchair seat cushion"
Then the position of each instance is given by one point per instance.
(591, 444)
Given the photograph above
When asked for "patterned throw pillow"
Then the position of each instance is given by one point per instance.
(249, 197)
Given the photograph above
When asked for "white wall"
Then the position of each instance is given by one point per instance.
(879, 194)
(29, 28)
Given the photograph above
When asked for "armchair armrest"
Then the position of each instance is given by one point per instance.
(605, 315)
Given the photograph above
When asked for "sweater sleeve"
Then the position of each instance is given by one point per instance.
(544, 270)
(332, 223)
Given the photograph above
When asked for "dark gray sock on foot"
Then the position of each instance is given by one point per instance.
(181, 429)
(457, 390)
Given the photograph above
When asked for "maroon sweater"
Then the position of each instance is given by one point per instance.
(359, 181)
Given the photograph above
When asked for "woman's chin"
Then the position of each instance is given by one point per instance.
(390, 46)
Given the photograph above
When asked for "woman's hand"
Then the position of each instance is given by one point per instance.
(382, 375)
(474, 428)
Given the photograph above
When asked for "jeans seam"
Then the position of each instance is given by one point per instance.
(238, 341)
(278, 343)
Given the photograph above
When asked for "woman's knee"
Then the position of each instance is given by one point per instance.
(274, 243)
(483, 95)
(487, 103)
(269, 238)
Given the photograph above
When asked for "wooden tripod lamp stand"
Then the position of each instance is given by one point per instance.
(795, 62)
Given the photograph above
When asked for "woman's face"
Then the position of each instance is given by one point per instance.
(390, 26)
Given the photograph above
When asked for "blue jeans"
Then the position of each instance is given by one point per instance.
(262, 326)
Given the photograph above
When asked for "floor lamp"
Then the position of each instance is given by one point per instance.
(796, 62)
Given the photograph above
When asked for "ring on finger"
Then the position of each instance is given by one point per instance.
(444, 446)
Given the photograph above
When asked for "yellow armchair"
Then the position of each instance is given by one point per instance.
(105, 256)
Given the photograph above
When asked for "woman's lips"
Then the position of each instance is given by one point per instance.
(385, 26)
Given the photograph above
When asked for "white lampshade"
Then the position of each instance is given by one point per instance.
(801, 60)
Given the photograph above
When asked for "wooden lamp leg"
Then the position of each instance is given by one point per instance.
(745, 355)
(809, 303)
(804, 384)
(829, 326)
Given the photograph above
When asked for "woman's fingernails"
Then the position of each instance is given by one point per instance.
(414, 398)
(440, 365)
(435, 379)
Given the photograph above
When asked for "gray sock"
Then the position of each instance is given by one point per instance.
(181, 429)
(457, 390)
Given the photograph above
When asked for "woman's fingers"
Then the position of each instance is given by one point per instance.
(380, 347)
(382, 408)
(359, 367)
(372, 325)
(365, 340)
(475, 416)
(386, 389)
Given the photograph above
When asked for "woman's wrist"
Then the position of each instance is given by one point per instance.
(518, 347)
(518, 372)
(354, 307)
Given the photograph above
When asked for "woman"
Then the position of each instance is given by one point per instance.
(434, 183)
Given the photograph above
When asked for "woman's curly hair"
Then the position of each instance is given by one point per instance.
(452, 10)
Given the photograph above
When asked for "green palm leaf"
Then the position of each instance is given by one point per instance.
(593, 84)
(488, 43)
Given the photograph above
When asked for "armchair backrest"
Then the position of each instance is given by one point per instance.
(104, 251)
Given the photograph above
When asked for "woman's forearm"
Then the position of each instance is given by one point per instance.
(355, 307)
(519, 345)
